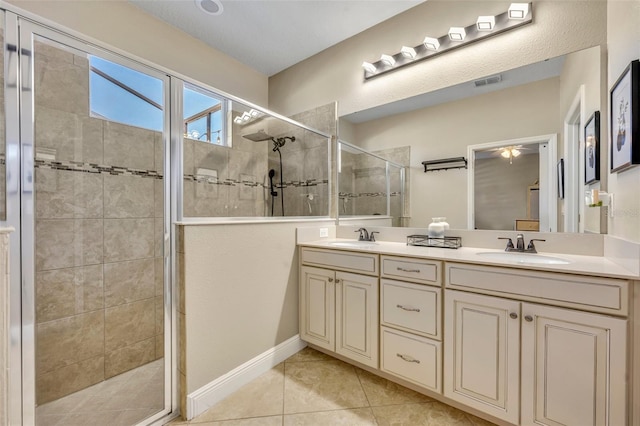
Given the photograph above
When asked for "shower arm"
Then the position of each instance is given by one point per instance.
(279, 142)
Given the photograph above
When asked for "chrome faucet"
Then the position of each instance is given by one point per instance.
(519, 247)
(364, 234)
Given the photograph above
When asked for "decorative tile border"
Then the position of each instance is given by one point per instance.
(348, 196)
(78, 166)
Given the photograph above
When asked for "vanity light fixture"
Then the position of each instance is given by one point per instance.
(408, 52)
(485, 23)
(387, 60)
(518, 11)
(247, 117)
(517, 15)
(369, 67)
(431, 43)
(457, 34)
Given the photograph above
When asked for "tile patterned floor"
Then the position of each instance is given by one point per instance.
(123, 400)
(314, 389)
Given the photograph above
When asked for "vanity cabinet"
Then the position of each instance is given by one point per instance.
(534, 364)
(339, 309)
(410, 319)
(482, 353)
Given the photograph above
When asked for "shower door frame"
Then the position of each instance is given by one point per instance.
(20, 32)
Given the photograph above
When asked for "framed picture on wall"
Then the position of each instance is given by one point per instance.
(592, 149)
(561, 178)
(625, 119)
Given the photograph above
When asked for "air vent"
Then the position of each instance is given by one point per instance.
(489, 80)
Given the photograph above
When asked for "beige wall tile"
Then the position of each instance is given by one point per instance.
(128, 146)
(62, 194)
(60, 84)
(158, 197)
(159, 346)
(159, 315)
(159, 275)
(158, 153)
(69, 340)
(158, 243)
(73, 137)
(182, 343)
(126, 282)
(127, 196)
(66, 292)
(129, 324)
(67, 243)
(129, 357)
(69, 379)
(128, 239)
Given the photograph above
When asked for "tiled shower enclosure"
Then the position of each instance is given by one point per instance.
(99, 234)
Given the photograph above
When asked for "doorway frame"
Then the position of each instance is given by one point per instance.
(573, 207)
(548, 176)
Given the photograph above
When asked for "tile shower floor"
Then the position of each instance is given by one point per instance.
(123, 400)
(311, 388)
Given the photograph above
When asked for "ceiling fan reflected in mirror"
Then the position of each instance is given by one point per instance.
(510, 152)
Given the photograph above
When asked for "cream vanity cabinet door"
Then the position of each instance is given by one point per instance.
(357, 317)
(317, 307)
(573, 367)
(482, 353)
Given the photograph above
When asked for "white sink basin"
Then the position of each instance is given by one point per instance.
(353, 244)
(531, 258)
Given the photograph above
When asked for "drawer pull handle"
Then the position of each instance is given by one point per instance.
(408, 358)
(330, 280)
(404, 308)
(528, 318)
(417, 271)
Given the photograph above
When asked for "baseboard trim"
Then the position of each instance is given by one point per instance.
(210, 394)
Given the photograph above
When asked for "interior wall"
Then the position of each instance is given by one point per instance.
(579, 70)
(559, 27)
(501, 190)
(445, 131)
(623, 39)
(123, 26)
(240, 299)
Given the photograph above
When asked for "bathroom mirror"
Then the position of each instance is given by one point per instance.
(555, 96)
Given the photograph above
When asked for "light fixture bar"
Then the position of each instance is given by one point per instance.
(433, 46)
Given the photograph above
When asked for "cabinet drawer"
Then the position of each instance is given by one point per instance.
(346, 260)
(589, 293)
(425, 271)
(411, 307)
(412, 358)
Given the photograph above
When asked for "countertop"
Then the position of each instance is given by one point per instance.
(582, 265)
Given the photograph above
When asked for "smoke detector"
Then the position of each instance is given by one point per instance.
(210, 7)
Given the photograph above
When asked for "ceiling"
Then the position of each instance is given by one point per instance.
(272, 35)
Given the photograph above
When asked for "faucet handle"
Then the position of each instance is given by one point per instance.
(531, 247)
(371, 236)
(509, 243)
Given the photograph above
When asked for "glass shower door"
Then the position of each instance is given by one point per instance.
(94, 228)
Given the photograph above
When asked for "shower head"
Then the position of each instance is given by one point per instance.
(258, 136)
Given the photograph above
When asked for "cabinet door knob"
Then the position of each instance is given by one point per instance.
(337, 281)
(513, 315)
(528, 318)
(330, 280)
